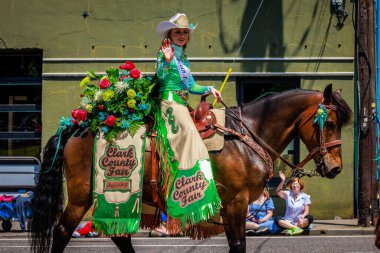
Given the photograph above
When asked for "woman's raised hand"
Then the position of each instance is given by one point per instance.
(167, 50)
(282, 176)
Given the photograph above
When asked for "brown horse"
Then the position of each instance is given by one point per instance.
(240, 171)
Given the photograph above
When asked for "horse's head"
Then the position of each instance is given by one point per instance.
(320, 130)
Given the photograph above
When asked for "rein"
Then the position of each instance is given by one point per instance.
(258, 210)
(297, 170)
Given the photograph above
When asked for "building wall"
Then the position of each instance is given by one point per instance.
(296, 38)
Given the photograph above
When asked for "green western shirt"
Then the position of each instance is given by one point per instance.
(169, 77)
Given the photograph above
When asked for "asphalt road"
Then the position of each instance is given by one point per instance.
(356, 243)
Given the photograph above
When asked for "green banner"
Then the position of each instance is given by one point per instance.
(118, 181)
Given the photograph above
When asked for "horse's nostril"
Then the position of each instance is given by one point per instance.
(335, 171)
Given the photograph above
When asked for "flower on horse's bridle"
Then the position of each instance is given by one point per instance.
(321, 116)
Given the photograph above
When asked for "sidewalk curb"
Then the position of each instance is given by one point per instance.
(358, 231)
(321, 227)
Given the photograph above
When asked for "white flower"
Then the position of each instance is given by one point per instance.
(85, 102)
(121, 86)
(98, 95)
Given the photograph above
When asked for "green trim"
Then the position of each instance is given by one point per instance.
(201, 209)
(93, 167)
(105, 222)
(169, 163)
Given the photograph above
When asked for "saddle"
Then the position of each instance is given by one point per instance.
(203, 118)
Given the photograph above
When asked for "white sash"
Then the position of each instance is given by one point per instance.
(184, 72)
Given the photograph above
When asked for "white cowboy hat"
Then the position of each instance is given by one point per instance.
(179, 20)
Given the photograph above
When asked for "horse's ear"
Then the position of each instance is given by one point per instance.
(339, 91)
(327, 93)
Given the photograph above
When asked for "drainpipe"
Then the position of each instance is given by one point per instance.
(377, 50)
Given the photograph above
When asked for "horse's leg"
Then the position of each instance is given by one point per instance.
(70, 219)
(234, 214)
(124, 244)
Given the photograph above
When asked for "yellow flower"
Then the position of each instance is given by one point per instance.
(319, 111)
(85, 81)
(131, 93)
(131, 103)
(89, 108)
(108, 95)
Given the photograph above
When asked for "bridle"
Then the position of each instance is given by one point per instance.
(323, 145)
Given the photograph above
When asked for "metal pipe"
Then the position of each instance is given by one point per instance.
(58, 75)
(207, 59)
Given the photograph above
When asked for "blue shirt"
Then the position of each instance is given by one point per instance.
(268, 205)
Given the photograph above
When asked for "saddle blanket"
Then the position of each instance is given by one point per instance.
(118, 181)
(216, 141)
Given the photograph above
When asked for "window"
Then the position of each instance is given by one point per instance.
(252, 88)
(20, 102)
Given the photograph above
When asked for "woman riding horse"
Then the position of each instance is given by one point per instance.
(183, 154)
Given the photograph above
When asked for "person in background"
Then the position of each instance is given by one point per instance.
(85, 229)
(161, 231)
(297, 216)
(260, 216)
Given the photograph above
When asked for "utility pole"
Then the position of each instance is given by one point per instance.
(368, 187)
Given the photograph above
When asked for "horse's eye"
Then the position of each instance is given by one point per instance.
(330, 125)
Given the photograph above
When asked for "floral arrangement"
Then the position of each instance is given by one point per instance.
(116, 102)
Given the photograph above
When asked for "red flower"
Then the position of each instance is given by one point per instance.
(79, 114)
(81, 95)
(110, 121)
(135, 74)
(104, 83)
(129, 65)
(123, 67)
(100, 107)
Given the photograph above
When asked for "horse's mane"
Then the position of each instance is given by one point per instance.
(277, 96)
(344, 112)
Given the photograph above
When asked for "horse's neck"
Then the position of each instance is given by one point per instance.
(275, 119)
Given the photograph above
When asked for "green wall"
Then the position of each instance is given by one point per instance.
(283, 32)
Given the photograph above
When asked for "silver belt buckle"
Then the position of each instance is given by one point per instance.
(183, 94)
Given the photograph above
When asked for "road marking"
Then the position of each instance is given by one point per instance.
(186, 238)
(148, 246)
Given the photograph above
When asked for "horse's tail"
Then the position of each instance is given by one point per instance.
(47, 201)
